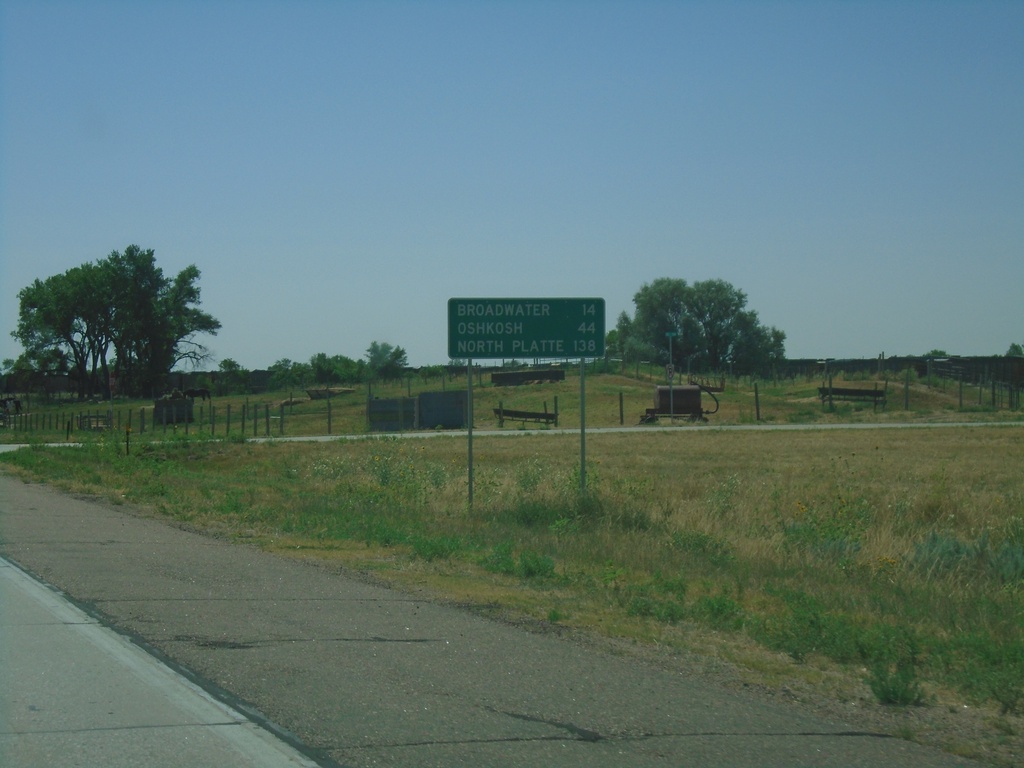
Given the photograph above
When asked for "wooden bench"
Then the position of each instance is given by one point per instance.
(524, 416)
(855, 394)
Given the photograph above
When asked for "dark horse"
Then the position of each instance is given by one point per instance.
(194, 393)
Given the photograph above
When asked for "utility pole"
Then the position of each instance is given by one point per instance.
(671, 374)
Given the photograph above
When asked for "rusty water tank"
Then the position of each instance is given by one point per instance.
(685, 399)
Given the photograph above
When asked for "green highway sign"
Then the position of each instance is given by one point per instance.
(511, 328)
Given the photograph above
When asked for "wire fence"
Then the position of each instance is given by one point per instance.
(963, 389)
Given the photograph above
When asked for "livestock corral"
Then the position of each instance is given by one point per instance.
(613, 399)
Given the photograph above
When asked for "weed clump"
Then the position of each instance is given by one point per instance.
(528, 565)
(944, 555)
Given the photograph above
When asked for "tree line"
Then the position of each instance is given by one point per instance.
(119, 322)
(382, 362)
(121, 319)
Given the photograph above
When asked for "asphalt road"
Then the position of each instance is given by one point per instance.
(76, 693)
(361, 675)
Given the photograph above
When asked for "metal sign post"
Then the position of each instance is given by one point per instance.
(583, 427)
(670, 371)
(469, 421)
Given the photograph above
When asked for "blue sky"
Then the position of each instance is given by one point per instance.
(339, 170)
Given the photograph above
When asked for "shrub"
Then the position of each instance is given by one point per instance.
(805, 627)
(895, 684)
(941, 554)
(665, 611)
(534, 565)
(892, 656)
(719, 611)
(648, 600)
(529, 565)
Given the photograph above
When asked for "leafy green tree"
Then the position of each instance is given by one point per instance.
(351, 371)
(285, 374)
(154, 319)
(1015, 350)
(385, 361)
(711, 326)
(122, 302)
(233, 377)
(612, 347)
(323, 369)
(26, 372)
(631, 344)
(757, 348)
(60, 314)
(661, 309)
(428, 372)
(336, 369)
(717, 308)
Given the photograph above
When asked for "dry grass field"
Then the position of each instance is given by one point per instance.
(874, 567)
